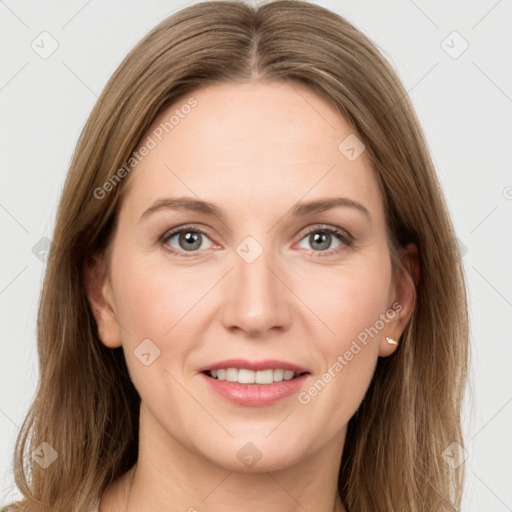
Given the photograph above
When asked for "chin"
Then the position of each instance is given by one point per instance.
(256, 456)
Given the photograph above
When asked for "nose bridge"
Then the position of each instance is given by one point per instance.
(258, 298)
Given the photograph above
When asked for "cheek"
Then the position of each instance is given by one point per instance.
(155, 299)
(352, 307)
(155, 307)
(348, 299)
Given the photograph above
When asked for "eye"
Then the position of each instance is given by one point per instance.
(187, 239)
(190, 239)
(321, 238)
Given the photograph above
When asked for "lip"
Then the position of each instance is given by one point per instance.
(266, 364)
(254, 395)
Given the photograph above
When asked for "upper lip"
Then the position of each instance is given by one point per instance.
(267, 364)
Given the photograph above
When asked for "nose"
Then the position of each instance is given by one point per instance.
(257, 300)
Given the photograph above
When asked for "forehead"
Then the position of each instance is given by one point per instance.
(252, 145)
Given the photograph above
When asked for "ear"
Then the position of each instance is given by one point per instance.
(403, 299)
(101, 299)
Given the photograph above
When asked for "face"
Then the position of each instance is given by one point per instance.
(275, 281)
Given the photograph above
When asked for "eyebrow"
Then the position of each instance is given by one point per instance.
(207, 208)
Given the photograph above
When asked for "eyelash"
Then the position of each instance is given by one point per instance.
(343, 236)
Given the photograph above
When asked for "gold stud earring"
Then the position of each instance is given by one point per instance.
(391, 341)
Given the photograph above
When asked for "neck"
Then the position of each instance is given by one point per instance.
(169, 473)
(135, 499)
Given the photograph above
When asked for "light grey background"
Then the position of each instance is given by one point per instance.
(464, 103)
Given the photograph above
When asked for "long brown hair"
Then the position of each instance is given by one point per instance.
(86, 407)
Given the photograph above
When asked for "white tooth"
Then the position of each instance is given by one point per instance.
(232, 374)
(288, 374)
(246, 376)
(264, 377)
(278, 375)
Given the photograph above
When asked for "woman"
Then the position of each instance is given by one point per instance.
(198, 349)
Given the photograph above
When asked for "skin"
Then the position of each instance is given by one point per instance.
(254, 150)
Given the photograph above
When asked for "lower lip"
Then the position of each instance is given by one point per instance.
(255, 395)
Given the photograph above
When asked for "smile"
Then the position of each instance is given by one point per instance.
(245, 376)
